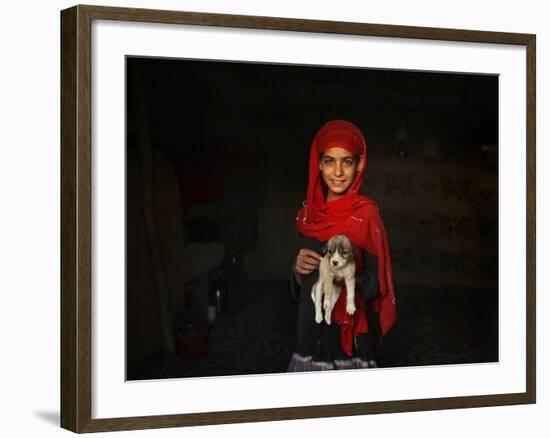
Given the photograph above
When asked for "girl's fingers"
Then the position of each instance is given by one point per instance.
(317, 256)
(305, 268)
(307, 261)
(310, 253)
(310, 261)
(309, 266)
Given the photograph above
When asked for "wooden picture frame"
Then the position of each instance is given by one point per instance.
(76, 218)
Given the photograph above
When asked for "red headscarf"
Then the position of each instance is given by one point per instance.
(354, 215)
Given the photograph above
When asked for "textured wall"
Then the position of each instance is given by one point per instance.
(442, 221)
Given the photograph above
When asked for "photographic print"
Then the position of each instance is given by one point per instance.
(218, 161)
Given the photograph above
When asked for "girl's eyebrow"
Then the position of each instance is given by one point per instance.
(342, 158)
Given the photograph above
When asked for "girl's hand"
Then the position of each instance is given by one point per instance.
(307, 261)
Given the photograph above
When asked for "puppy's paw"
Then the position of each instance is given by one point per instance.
(327, 317)
(350, 308)
(318, 317)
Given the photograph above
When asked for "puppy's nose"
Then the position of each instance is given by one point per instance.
(334, 263)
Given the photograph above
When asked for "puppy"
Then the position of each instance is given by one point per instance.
(337, 261)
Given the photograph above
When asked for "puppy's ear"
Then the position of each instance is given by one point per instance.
(324, 248)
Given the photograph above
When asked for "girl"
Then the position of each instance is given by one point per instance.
(334, 206)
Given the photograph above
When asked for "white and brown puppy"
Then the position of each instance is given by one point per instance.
(337, 261)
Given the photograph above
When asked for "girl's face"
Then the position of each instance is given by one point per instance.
(338, 169)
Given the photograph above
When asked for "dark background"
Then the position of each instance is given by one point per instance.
(227, 146)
